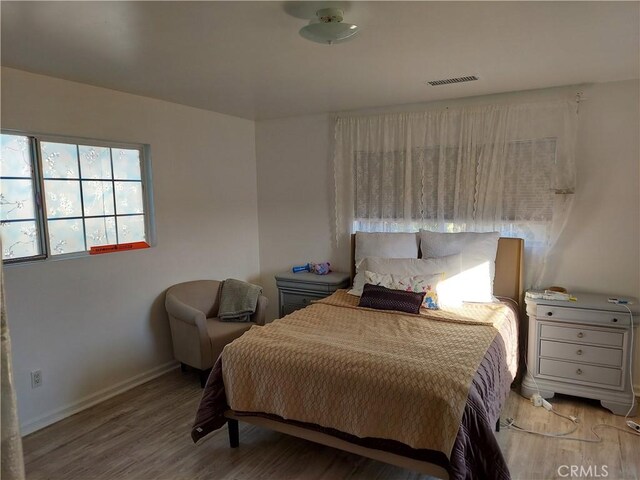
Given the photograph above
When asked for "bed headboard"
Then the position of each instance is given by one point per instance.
(508, 281)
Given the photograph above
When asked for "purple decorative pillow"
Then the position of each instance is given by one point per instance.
(381, 298)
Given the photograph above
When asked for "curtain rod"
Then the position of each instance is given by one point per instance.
(578, 99)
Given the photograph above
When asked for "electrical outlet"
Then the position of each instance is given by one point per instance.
(36, 378)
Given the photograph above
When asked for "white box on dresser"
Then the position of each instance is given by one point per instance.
(581, 348)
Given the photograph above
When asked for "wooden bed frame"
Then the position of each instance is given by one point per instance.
(508, 282)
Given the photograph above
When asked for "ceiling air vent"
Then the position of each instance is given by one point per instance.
(435, 83)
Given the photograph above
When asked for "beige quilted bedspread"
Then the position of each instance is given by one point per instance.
(366, 372)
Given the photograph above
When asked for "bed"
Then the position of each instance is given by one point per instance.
(266, 391)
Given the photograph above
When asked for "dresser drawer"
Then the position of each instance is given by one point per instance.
(581, 353)
(299, 298)
(579, 373)
(582, 335)
(584, 316)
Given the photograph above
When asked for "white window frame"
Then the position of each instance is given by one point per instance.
(40, 202)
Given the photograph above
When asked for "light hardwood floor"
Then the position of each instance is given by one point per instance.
(143, 434)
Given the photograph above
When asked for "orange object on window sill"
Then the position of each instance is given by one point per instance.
(118, 248)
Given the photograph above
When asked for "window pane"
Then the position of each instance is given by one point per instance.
(59, 160)
(126, 164)
(100, 231)
(95, 162)
(16, 200)
(63, 198)
(15, 156)
(528, 194)
(379, 185)
(19, 239)
(97, 197)
(131, 229)
(129, 197)
(66, 236)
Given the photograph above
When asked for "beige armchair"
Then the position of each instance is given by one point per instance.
(198, 335)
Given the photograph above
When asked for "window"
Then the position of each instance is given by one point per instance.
(529, 194)
(507, 168)
(380, 183)
(61, 196)
(379, 176)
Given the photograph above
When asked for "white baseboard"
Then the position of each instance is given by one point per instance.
(58, 414)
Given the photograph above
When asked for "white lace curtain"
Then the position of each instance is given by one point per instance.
(507, 168)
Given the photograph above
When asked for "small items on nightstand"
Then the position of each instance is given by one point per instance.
(556, 288)
(322, 268)
(551, 293)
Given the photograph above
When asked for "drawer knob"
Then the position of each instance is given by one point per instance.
(579, 352)
(580, 334)
(615, 320)
(549, 313)
(579, 372)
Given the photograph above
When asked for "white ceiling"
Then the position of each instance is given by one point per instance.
(247, 59)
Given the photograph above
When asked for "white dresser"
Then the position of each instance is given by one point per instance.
(580, 348)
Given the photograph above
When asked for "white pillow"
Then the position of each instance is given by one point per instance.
(426, 284)
(406, 267)
(388, 245)
(478, 261)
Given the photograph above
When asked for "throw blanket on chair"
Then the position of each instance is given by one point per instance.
(238, 300)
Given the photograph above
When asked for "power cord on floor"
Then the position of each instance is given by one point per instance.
(574, 420)
(510, 424)
(633, 393)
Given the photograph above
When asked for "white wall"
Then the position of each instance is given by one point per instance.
(295, 185)
(600, 248)
(598, 252)
(95, 323)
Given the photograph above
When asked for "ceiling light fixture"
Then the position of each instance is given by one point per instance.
(328, 28)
